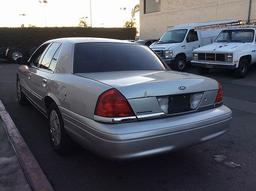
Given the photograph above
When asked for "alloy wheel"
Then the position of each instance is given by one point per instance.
(55, 128)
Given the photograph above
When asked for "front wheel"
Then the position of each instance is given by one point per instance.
(22, 100)
(59, 139)
(242, 69)
(180, 63)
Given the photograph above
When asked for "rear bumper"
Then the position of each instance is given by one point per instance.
(217, 65)
(145, 138)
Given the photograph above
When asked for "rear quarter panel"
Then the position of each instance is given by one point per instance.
(76, 94)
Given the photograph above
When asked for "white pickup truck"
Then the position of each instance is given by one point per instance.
(175, 47)
(234, 49)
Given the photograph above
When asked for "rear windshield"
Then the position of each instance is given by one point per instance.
(94, 57)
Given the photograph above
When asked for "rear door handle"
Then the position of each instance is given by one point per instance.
(44, 82)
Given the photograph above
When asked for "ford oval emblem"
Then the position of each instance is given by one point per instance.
(182, 88)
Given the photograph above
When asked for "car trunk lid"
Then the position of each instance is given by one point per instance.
(141, 84)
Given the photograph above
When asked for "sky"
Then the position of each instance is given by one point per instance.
(105, 13)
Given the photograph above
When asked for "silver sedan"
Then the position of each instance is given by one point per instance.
(118, 99)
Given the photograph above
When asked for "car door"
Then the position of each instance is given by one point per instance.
(192, 43)
(43, 73)
(33, 64)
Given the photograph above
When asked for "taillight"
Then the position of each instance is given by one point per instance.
(219, 97)
(112, 103)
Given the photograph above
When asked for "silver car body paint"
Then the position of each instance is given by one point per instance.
(151, 131)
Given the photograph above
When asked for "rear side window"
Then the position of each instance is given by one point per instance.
(105, 57)
(45, 64)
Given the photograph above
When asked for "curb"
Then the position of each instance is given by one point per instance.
(32, 171)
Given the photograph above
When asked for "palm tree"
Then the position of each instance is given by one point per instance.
(132, 22)
(82, 22)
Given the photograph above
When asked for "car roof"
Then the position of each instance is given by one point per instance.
(75, 40)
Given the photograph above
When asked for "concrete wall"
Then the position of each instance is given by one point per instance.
(175, 12)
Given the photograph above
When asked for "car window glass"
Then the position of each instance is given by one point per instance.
(36, 57)
(107, 57)
(54, 59)
(192, 36)
(49, 55)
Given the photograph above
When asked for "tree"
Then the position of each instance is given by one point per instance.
(82, 22)
(132, 22)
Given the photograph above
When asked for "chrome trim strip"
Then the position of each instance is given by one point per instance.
(114, 120)
(151, 115)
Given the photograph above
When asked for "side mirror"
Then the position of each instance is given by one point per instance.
(24, 69)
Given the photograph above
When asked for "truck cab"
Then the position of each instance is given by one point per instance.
(176, 46)
(234, 49)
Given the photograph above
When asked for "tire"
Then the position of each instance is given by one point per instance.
(14, 54)
(22, 100)
(204, 70)
(242, 69)
(59, 139)
(179, 63)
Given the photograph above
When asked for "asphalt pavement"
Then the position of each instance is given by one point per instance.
(225, 163)
(12, 177)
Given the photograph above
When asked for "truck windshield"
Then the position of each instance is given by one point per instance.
(173, 36)
(241, 35)
(107, 57)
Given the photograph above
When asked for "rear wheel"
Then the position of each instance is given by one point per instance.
(242, 69)
(22, 100)
(180, 63)
(59, 139)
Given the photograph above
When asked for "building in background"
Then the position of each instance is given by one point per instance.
(156, 16)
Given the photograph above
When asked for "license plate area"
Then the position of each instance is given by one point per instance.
(179, 103)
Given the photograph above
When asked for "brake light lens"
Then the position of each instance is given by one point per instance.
(112, 103)
(219, 97)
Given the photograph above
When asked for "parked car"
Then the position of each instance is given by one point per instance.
(234, 49)
(146, 42)
(176, 45)
(118, 99)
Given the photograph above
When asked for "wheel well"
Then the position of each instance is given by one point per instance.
(183, 55)
(248, 58)
(48, 101)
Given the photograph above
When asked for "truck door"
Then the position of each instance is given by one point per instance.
(192, 43)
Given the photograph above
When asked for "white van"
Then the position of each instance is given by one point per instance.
(176, 45)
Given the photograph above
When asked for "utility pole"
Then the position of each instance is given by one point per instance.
(91, 12)
(44, 3)
(249, 12)
(23, 15)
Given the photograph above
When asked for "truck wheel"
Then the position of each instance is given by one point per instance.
(242, 69)
(22, 100)
(204, 70)
(180, 63)
(59, 139)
